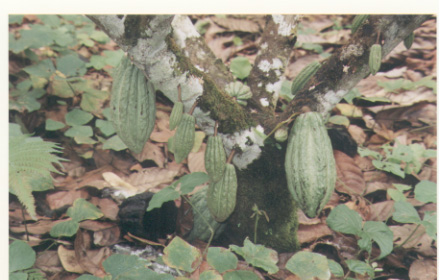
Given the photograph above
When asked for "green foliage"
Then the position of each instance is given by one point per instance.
(181, 255)
(241, 67)
(240, 275)
(81, 210)
(360, 267)
(399, 85)
(30, 160)
(21, 258)
(309, 266)
(221, 259)
(411, 157)
(257, 255)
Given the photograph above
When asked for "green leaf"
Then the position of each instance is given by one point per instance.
(376, 99)
(258, 255)
(402, 187)
(192, 180)
(364, 152)
(38, 36)
(181, 255)
(396, 195)
(286, 91)
(98, 62)
(51, 20)
(237, 41)
(339, 120)
(52, 125)
(78, 117)
(119, 265)
(43, 69)
(63, 37)
(106, 127)
(83, 210)
(79, 131)
(335, 268)
(65, 228)
(210, 275)
(308, 265)
(88, 277)
(113, 57)
(21, 256)
(404, 212)
(430, 224)
(389, 167)
(312, 47)
(92, 100)
(241, 67)
(84, 39)
(100, 37)
(71, 65)
(15, 19)
(18, 276)
(426, 191)
(381, 234)
(61, 88)
(198, 140)
(164, 195)
(114, 143)
(345, 220)
(221, 259)
(352, 94)
(240, 275)
(360, 267)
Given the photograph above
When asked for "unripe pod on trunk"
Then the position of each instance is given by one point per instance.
(375, 58)
(304, 76)
(222, 195)
(176, 115)
(357, 21)
(184, 137)
(215, 158)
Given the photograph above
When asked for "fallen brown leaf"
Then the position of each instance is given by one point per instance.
(357, 133)
(196, 161)
(69, 261)
(311, 233)
(38, 228)
(381, 211)
(423, 270)
(420, 241)
(152, 152)
(60, 199)
(350, 179)
(49, 262)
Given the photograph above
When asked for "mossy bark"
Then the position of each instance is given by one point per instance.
(264, 184)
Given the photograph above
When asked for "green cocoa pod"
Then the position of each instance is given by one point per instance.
(215, 158)
(375, 58)
(222, 195)
(184, 137)
(203, 218)
(176, 115)
(304, 76)
(409, 41)
(281, 134)
(133, 107)
(357, 21)
(240, 91)
(310, 164)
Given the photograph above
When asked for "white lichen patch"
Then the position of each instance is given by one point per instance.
(277, 63)
(285, 27)
(264, 46)
(352, 50)
(329, 100)
(249, 141)
(264, 66)
(260, 84)
(183, 29)
(264, 102)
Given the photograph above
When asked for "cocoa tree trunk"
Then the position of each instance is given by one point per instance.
(171, 52)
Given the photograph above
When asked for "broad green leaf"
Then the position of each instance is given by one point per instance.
(92, 100)
(381, 234)
(40, 184)
(335, 268)
(98, 62)
(192, 180)
(402, 153)
(63, 37)
(74, 131)
(364, 152)
(65, 228)
(365, 243)
(430, 224)
(38, 82)
(84, 39)
(240, 275)
(198, 140)
(113, 57)
(38, 36)
(25, 85)
(308, 265)
(389, 167)
(88, 277)
(61, 88)
(181, 255)
(52, 125)
(43, 69)
(106, 127)
(376, 99)
(21, 256)
(312, 47)
(404, 212)
(164, 195)
(360, 267)
(258, 255)
(429, 153)
(240, 67)
(114, 143)
(71, 65)
(221, 259)
(396, 195)
(339, 120)
(402, 187)
(286, 91)
(18, 276)
(121, 265)
(15, 19)
(17, 46)
(83, 210)
(78, 117)
(237, 41)
(352, 94)
(51, 20)
(100, 37)
(426, 191)
(345, 220)
(349, 110)
(84, 140)
(210, 275)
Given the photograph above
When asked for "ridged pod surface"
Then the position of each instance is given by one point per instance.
(202, 216)
(375, 58)
(184, 137)
(409, 41)
(132, 105)
(357, 21)
(215, 158)
(310, 164)
(304, 76)
(176, 115)
(222, 195)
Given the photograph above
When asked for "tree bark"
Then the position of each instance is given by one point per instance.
(171, 52)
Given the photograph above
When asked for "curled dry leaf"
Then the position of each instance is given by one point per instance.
(60, 199)
(152, 177)
(420, 242)
(40, 227)
(48, 261)
(152, 152)
(69, 261)
(423, 269)
(104, 234)
(381, 211)
(350, 179)
(357, 133)
(311, 233)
